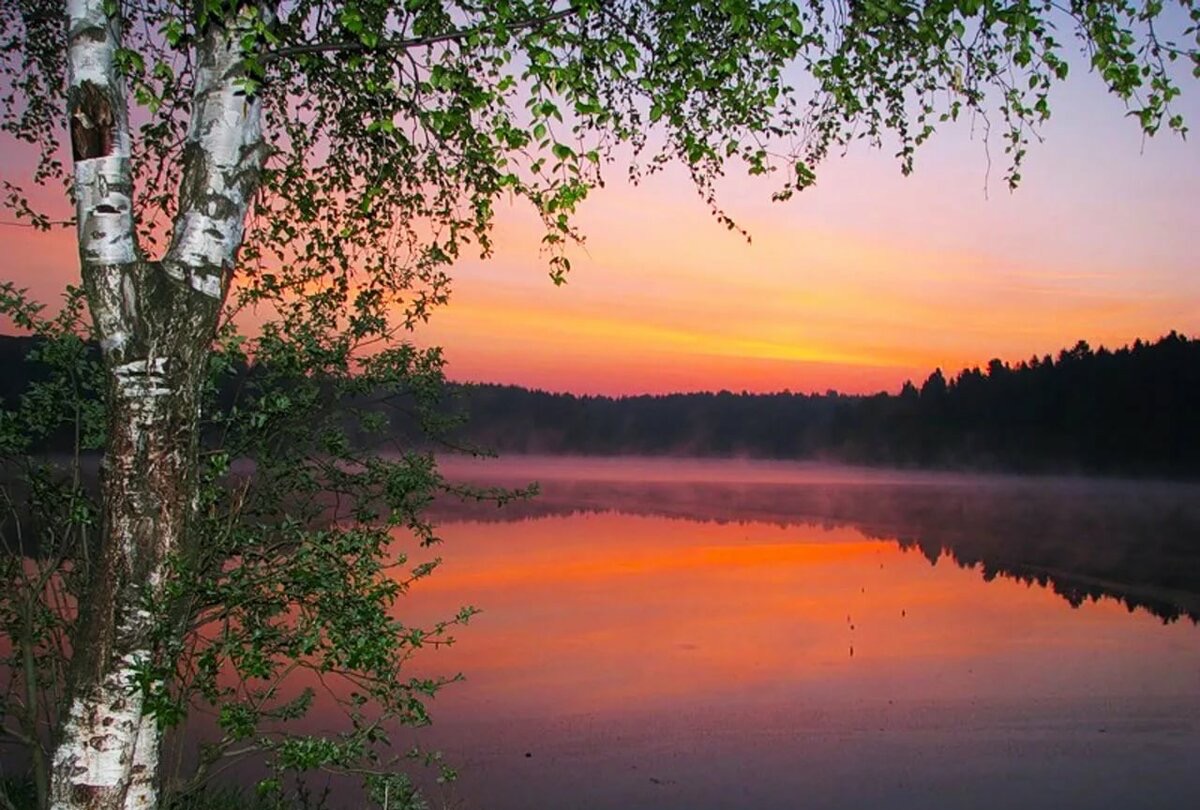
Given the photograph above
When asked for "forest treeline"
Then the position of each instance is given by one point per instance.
(1130, 411)
(1135, 410)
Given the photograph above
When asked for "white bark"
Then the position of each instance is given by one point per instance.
(143, 380)
(99, 740)
(225, 138)
(106, 210)
(143, 776)
(108, 754)
(103, 182)
(106, 741)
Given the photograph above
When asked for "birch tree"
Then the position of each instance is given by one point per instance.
(324, 162)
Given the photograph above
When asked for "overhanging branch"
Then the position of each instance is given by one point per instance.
(354, 46)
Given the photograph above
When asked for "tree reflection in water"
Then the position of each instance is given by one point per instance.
(1137, 542)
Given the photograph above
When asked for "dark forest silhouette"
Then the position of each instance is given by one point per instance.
(1135, 410)
(1132, 411)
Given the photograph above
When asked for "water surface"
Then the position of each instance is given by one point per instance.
(711, 635)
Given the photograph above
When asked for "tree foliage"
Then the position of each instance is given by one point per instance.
(395, 129)
(304, 547)
(313, 168)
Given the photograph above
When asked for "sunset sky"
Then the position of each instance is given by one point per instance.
(858, 284)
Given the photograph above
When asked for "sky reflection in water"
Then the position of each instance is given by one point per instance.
(771, 636)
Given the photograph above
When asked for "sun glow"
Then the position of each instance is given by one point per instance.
(863, 282)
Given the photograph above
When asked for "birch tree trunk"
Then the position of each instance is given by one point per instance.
(156, 321)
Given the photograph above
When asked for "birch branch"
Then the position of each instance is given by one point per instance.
(223, 158)
(100, 143)
(355, 46)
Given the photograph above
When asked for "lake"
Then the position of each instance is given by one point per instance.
(729, 634)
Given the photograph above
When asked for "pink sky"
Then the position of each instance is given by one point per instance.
(858, 284)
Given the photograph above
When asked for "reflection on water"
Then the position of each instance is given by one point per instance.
(740, 635)
(1138, 542)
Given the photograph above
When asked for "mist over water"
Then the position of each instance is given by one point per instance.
(1136, 541)
(676, 634)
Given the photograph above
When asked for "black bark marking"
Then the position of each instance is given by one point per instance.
(92, 33)
(93, 126)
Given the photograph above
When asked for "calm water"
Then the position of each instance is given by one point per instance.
(740, 635)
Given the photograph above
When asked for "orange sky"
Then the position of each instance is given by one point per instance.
(867, 280)
(858, 284)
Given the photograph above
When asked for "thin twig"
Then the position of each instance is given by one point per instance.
(410, 43)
